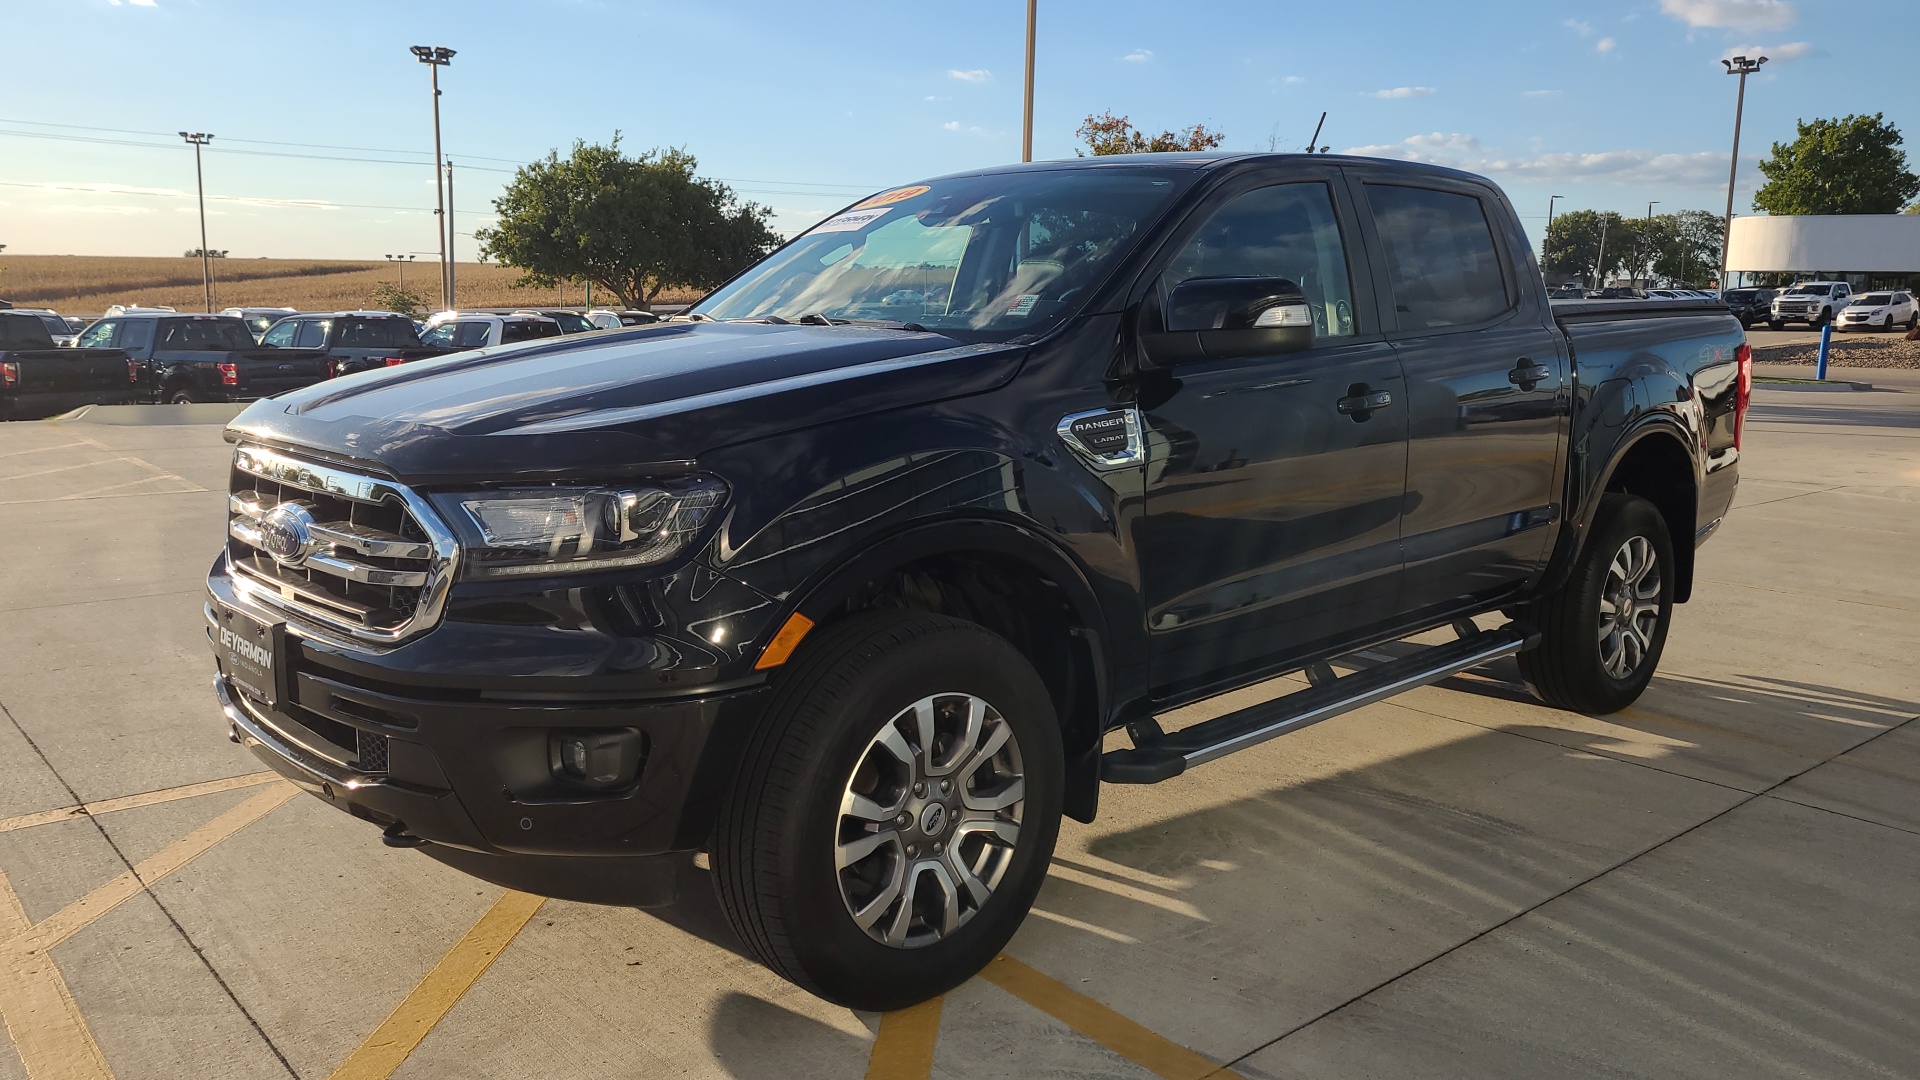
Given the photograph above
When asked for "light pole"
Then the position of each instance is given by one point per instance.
(200, 139)
(401, 262)
(1742, 67)
(1647, 238)
(437, 57)
(1600, 260)
(1548, 238)
(1026, 126)
(452, 300)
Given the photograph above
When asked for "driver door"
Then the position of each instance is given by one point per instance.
(1273, 503)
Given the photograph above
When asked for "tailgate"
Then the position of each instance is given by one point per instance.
(66, 371)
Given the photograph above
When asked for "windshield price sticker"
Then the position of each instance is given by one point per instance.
(1023, 304)
(852, 221)
(887, 198)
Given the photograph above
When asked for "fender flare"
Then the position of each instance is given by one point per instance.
(1573, 539)
(1012, 539)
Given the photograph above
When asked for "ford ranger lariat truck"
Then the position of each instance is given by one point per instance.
(842, 576)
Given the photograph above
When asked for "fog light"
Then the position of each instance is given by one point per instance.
(600, 760)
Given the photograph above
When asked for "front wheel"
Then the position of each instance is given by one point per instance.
(895, 811)
(1602, 633)
(1775, 324)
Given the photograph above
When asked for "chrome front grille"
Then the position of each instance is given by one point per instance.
(354, 559)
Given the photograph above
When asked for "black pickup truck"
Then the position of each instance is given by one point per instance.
(39, 379)
(187, 358)
(842, 577)
(354, 341)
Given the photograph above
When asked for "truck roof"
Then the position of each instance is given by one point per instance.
(1208, 159)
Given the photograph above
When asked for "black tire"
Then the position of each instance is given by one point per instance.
(1567, 669)
(774, 847)
(1888, 324)
(1775, 324)
(181, 397)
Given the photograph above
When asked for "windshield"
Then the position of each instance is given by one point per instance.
(1808, 290)
(218, 334)
(990, 256)
(1873, 300)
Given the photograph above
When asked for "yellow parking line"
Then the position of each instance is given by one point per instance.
(78, 915)
(131, 802)
(440, 990)
(903, 1048)
(1157, 1054)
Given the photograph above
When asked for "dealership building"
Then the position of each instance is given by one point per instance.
(1867, 251)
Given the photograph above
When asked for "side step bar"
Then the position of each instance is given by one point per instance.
(1158, 757)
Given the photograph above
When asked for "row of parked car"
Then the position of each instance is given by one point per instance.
(162, 355)
(1815, 303)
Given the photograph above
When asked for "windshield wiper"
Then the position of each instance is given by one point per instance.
(814, 318)
(817, 319)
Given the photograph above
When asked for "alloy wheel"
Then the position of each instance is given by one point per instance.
(930, 820)
(1629, 607)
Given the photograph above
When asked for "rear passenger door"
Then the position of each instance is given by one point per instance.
(1487, 389)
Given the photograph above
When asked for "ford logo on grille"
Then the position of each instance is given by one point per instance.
(286, 533)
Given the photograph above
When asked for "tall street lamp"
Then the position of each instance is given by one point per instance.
(1647, 238)
(1548, 238)
(437, 57)
(200, 139)
(401, 262)
(1026, 127)
(1742, 67)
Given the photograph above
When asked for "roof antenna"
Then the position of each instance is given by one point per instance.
(1311, 143)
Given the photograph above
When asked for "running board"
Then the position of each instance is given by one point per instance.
(1158, 757)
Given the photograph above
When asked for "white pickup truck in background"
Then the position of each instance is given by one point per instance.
(1812, 302)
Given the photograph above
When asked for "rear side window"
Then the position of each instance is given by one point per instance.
(312, 334)
(136, 335)
(469, 335)
(378, 334)
(1441, 257)
(527, 330)
(17, 332)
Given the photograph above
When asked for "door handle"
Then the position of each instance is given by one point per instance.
(1360, 402)
(1526, 374)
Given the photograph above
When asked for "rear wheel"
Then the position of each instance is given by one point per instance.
(1603, 632)
(181, 397)
(895, 812)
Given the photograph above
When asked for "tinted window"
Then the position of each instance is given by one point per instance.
(1441, 257)
(440, 335)
(19, 332)
(136, 335)
(527, 330)
(55, 324)
(197, 335)
(570, 322)
(377, 334)
(1874, 300)
(99, 335)
(1286, 231)
(312, 333)
(470, 335)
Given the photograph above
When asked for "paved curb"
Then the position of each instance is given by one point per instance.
(151, 415)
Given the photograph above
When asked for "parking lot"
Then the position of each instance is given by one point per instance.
(1717, 882)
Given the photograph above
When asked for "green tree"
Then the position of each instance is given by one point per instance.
(1575, 245)
(631, 225)
(390, 297)
(1109, 134)
(1853, 165)
(1690, 248)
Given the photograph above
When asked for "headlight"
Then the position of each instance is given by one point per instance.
(553, 530)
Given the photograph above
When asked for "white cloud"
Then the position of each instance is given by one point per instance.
(1541, 93)
(1706, 169)
(1792, 50)
(1294, 80)
(1603, 46)
(1139, 56)
(1400, 92)
(969, 129)
(1580, 26)
(1744, 14)
(938, 97)
(972, 75)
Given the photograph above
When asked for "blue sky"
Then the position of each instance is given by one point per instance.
(804, 107)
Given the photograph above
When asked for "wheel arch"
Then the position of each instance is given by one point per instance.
(1011, 579)
(1654, 462)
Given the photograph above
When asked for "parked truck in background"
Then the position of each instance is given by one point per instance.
(40, 379)
(353, 340)
(187, 358)
(1812, 302)
(844, 577)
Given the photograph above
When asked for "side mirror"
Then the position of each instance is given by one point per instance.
(1233, 318)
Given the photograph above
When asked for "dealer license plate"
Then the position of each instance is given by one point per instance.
(250, 654)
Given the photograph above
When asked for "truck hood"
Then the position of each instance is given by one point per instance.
(613, 402)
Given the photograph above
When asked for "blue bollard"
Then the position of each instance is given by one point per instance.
(1826, 345)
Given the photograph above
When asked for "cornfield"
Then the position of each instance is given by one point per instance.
(88, 284)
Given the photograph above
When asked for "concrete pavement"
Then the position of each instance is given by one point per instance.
(1459, 883)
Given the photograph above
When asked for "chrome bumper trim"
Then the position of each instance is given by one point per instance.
(308, 771)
